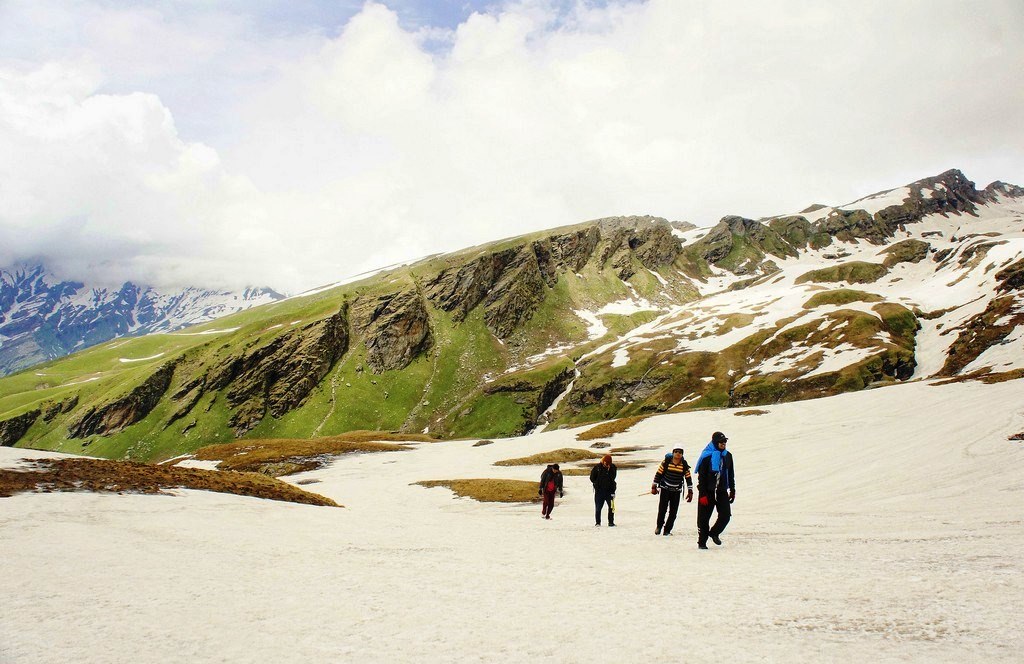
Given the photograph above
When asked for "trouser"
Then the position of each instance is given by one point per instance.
(548, 504)
(719, 502)
(669, 500)
(600, 498)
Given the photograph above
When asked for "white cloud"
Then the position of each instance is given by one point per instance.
(328, 155)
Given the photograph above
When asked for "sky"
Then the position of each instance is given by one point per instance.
(295, 143)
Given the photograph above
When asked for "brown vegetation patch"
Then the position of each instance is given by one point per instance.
(985, 376)
(481, 443)
(284, 456)
(753, 411)
(563, 455)
(1017, 436)
(576, 472)
(611, 428)
(600, 445)
(106, 476)
(489, 490)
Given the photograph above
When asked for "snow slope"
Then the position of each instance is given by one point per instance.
(882, 525)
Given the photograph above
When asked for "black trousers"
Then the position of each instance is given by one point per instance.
(670, 501)
(718, 502)
(600, 498)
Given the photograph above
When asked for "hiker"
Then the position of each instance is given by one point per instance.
(716, 486)
(671, 475)
(602, 476)
(550, 482)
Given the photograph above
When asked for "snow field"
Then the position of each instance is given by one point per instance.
(882, 525)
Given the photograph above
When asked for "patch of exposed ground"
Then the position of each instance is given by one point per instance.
(610, 428)
(106, 476)
(284, 456)
(481, 443)
(489, 490)
(753, 411)
(563, 455)
(984, 376)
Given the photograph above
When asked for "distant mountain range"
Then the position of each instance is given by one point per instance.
(615, 317)
(43, 318)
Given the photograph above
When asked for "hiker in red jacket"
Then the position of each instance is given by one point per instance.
(550, 482)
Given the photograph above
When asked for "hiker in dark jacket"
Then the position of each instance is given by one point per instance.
(716, 486)
(550, 482)
(672, 474)
(602, 476)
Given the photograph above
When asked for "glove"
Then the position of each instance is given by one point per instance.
(654, 489)
(689, 495)
(613, 496)
(703, 501)
(540, 492)
(561, 494)
(732, 495)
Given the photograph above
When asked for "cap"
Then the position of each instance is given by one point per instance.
(718, 437)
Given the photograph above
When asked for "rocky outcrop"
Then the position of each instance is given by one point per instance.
(277, 377)
(54, 408)
(646, 240)
(395, 329)
(569, 251)
(981, 332)
(740, 245)
(998, 189)
(906, 251)
(511, 283)
(12, 430)
(851, 225)
(799, 232)
(109, 418)
(1011, 278)
(947, 193)
(461, 288)
(516, 296)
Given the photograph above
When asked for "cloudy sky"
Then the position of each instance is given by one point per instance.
(294, 142)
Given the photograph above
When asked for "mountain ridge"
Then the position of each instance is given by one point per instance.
(43, 317)
(615, 317)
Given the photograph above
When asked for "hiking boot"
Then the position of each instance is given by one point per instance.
(657, 531)
(611, 525)
(702, 546)
(597, 524)
(666, 533)
(714, 538)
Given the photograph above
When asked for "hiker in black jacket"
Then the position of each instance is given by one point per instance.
(550, 482)
(602, 476)
(716, 485)
(672, 474)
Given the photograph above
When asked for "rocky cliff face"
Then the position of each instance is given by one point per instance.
(13, 429)
(126, 411)
(395, 329)
(278, 377)
(740, 245)
(512, 283)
